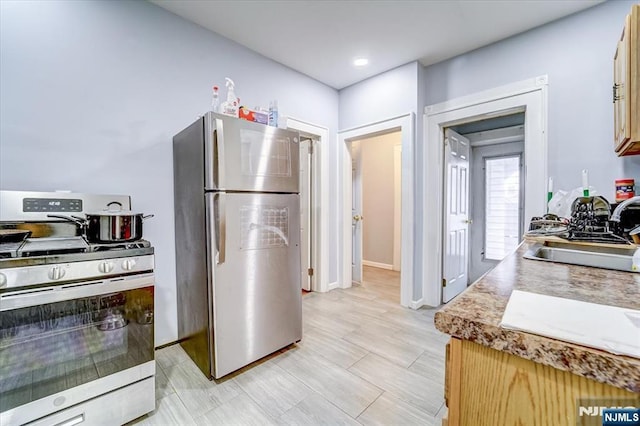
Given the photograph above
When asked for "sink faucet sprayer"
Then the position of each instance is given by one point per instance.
(615, 216)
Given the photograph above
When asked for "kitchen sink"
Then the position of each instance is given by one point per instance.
(607, 257)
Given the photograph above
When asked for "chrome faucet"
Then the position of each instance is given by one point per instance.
(615, 216)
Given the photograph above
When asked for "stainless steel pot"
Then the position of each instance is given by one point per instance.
(109, 226)
(114, 226)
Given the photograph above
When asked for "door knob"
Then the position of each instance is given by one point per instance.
(468, 221)
(357, 217)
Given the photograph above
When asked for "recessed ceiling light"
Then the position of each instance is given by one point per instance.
(360, 62)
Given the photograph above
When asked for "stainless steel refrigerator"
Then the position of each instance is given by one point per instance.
(237, 226)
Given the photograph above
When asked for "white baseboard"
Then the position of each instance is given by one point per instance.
(416, 304)
(377, 265)
(333, 285)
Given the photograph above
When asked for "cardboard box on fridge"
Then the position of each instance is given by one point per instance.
(255, 116)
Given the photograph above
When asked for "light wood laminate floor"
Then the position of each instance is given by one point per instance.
(363, 359)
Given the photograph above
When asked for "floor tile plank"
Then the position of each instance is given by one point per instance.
(339, 386)
(196, 392)
(406, 385)
(316, 410)
(240, 410)
(388, 346)
(272, 388)
(388, 410)
(339, 351)
(171, 355)
(169, 411)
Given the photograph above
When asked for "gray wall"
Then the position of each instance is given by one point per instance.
(378, 98)
(378, 189)
(93, 92)
(577, 54)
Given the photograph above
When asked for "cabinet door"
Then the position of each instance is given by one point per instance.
(488, 387)
(620, 91)
(627, 87)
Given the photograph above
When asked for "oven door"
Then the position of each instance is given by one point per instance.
(65, 344)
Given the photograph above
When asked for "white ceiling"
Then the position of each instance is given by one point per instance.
(320, 38)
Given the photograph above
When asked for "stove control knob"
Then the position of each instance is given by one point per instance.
(56, 273)
(3, 280)
(129, 264)
(105, 267)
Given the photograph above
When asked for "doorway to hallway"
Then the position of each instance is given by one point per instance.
(350, 263)
(376, 203)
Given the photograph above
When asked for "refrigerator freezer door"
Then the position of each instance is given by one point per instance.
(257, 305)
(246, 156)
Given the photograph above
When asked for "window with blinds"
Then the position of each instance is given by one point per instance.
(502, 206)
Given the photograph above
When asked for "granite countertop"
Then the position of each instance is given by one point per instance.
(475, 315)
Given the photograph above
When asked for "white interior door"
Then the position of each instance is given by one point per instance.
(356, 213)
(456, 217)
(306, 187)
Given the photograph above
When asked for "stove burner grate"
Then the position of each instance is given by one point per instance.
(34, 247)
(128, 245)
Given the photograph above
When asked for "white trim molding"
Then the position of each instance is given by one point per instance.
(529, 96)
(416, 304)
(406, 124)
(320, 202)
(377, 264)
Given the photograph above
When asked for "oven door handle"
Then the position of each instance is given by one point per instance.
(45, 295)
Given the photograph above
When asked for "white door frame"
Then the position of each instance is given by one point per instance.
(397, 207)
(320, 202)
(404, 123)
(528, 95)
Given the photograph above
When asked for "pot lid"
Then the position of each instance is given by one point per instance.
(114, 208)
(114, 213)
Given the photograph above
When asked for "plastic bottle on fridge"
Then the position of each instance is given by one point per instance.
(273, 113)
(215, 100)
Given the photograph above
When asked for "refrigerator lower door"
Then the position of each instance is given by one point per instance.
(254, 244)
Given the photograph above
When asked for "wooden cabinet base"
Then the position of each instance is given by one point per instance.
(488, 387)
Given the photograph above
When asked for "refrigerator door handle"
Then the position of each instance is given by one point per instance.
(222, 227)
(220, 154)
